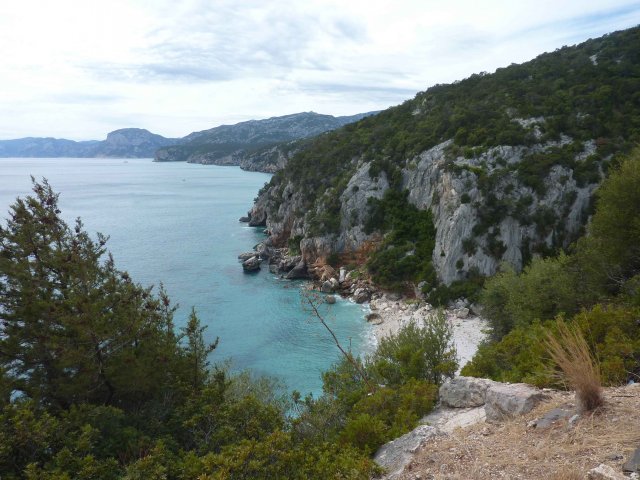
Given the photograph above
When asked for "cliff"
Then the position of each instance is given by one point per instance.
(506, 164)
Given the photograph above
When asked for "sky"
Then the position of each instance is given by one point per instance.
(79, 69)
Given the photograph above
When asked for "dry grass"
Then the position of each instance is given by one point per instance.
(514, 450)
(567, 473)
(569, 350)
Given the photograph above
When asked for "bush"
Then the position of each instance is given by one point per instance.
(387, 414)
(424, 352)
(545, 289)
(611, 332)
(468, 288)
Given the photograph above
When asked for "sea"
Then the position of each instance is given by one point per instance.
(177, 224)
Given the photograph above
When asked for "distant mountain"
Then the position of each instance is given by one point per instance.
(123, 143)
(230, 144)
(45, 147)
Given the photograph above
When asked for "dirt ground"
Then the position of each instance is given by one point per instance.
(517, 450)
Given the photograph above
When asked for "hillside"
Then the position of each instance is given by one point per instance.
(497, 167)
(235, 144)
(123, 143)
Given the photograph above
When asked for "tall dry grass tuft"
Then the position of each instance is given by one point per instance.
(567, 473)
(581, 371)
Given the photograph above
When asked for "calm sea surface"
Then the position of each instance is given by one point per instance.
(177, 223)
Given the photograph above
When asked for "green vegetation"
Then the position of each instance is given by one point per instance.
(96, 383)
(407, 368)
(405, 254)
(596, 288)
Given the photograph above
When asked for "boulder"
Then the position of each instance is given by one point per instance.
(508, 400)
(462, 312)
(374, 318)
(604, 472)
(289, 263)
(298, 272)
(464, 392)
(244, 219)
(246, 256)
(251, 265)
(335, 284)
(553, 416)
(633, 464)
(395, 455)
(330, 299)
(327, 287)
(342, 275)
(361, 295)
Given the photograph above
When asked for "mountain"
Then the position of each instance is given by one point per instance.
(230, 144)
(445, 187)
(123, 143)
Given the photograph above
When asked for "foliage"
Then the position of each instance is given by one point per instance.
(468, 288)
(74, 328)
(406, 252)
(424, 352)
(407, 366)
(387, 414)
(610, 255)
(611, 332)
(95, 383)
(544, 289)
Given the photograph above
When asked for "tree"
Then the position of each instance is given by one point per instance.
(610, 254)
(73, 328)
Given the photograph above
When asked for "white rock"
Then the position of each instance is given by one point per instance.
(464, 392)
(604, 472)
(395, 455)
(504, 400)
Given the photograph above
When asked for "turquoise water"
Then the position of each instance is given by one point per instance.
(177, 223)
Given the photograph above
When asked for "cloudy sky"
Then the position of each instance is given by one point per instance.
(81, 68)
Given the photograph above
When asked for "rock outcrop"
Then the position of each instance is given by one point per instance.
(464, 401)
(465, 392)
(504, 401)
(455, 189)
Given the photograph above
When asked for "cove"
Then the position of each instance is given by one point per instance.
(177, 223)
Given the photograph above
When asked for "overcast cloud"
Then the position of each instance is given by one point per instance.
(79, 69)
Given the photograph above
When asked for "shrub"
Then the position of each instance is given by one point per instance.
(545, 289)
(294, 245)
(364, 432)
(424, 352)
(612, 333)
(468, 288)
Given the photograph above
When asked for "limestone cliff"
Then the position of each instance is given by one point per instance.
(529, 221)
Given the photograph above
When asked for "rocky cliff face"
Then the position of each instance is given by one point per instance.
(484, 210)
